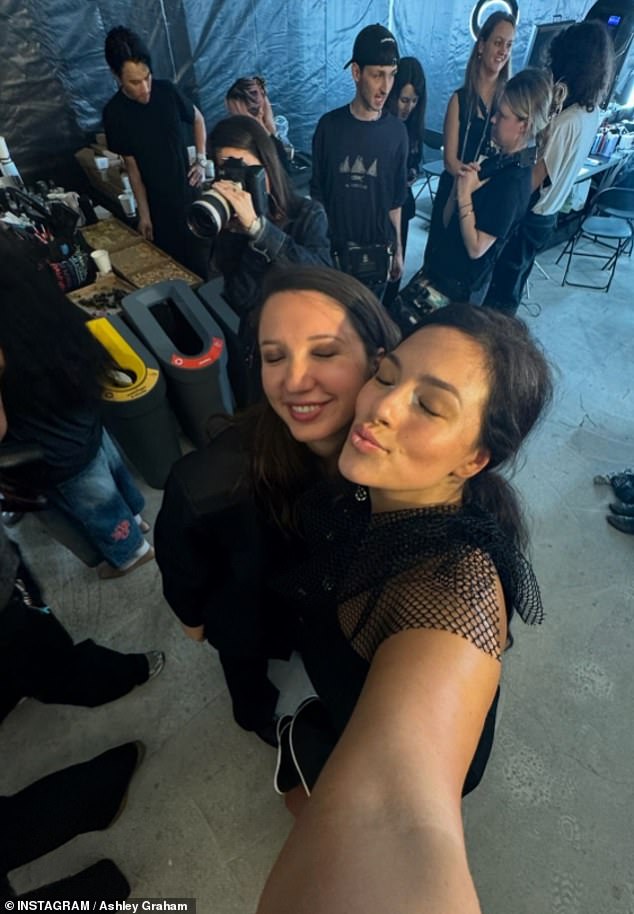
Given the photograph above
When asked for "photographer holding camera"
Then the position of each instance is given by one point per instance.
(253, 216)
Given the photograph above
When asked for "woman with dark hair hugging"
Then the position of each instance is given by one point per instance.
(402, 615)
(582, 62)
(228, 514)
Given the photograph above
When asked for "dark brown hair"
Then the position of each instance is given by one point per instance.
(251, 90)
(281, 467)
(52, 360)
(123, 45)
(521, 387)
(582, 57)
(410, 72)
(244, 132)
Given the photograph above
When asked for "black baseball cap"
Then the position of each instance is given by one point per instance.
(374, 45)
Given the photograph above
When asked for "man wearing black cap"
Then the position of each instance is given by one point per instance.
(360, 166)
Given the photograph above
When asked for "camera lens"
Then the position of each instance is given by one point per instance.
(209, 214)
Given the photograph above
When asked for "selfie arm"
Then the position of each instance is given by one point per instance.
(382, 830)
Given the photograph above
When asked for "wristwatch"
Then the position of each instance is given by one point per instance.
(201, 159)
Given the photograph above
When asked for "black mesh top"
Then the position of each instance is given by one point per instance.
(373, 575)
(430, 567)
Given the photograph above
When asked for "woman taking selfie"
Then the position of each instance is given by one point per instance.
(402, 613)
(228, 514)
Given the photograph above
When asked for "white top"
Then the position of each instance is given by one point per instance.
(571, 137)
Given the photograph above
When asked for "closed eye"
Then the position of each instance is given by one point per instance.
(426, 409)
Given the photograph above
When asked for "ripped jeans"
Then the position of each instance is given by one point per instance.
(103, 499)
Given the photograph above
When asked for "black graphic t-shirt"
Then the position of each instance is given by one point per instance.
(359, 174)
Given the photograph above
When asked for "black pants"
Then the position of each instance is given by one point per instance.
(53, 810)
(39, 660)
(516, 261)
(391, 289)
(253, 695)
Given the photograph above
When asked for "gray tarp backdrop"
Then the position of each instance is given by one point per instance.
(54, 80)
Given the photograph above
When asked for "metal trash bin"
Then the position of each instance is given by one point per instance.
(190, 348)
(212, 298)
(139, 415)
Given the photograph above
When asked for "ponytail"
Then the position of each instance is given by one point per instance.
(491, 493)
(521, 387)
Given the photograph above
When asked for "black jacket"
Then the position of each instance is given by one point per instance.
(215, 548)
(244, 262)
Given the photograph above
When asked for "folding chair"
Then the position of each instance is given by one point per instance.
(610, 225)
(431, 170)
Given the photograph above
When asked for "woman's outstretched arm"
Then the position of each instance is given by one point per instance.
(382, 831)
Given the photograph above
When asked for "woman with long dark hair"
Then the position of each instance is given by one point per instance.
(228, 513)
(582, 62)
(292, 229)
(54, 370)
(402, 616)
(408, 101)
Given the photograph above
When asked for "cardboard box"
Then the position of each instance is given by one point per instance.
(136, 258)
(168, 269)
(106, 182)
(90, 298)
(110, 235)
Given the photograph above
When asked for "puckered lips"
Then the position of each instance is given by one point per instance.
(364, 441)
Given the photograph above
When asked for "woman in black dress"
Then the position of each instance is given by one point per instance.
(403, 613)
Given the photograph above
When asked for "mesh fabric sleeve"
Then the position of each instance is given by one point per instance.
(458, 595)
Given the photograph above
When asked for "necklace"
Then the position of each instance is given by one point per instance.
(357, 118)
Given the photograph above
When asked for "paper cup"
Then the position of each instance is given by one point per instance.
(102, 261)
(127, 204)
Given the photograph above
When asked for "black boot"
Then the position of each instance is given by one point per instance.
(624, 524)
(622, 508)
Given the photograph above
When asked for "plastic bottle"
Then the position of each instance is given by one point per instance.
(8, 168)
(281, 128)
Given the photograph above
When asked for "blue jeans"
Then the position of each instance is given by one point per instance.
(103, 499)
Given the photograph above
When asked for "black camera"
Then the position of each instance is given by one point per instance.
(210, 213)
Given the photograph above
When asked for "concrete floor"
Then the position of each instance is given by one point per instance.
(549, 830)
